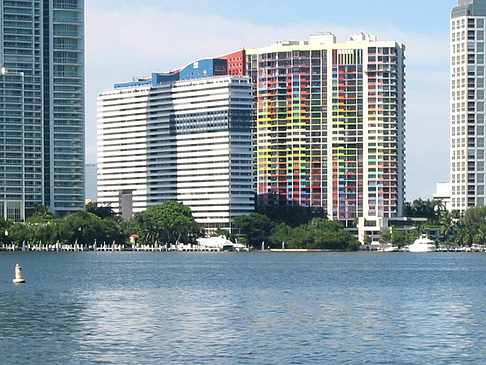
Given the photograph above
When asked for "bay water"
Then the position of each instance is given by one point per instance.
(243, 308)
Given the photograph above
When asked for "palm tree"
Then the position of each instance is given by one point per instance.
(447, 225)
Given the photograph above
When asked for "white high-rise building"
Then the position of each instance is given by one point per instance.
(467, 160)
(178, 138)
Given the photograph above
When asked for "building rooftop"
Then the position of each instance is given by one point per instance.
(469, 8)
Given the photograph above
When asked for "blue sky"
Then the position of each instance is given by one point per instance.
(127, 38)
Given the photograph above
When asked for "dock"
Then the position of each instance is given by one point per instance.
(59, 247)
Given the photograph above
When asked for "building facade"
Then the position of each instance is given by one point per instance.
(330, 126)
(91, 183)
(443, 193)
(181, 136)
(467, 160)
(41, 106)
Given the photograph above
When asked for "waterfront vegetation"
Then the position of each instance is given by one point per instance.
(170, 222)
(448, 228)
(290, 228)
(294, 228)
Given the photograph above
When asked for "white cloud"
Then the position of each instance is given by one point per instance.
(134, 42)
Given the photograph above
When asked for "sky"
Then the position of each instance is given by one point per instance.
(133, 38)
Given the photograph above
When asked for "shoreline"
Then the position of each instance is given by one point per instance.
(189, 248)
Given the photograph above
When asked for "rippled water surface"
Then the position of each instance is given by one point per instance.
(243, 308)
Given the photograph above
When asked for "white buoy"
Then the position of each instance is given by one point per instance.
(18, 275)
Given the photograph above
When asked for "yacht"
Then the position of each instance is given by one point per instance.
(422, 244)
(221, 243)
(388, 247)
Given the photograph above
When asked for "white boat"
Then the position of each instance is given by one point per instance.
(388, 247)
(220, 243)
(422, 244)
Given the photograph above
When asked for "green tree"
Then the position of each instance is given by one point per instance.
(255, 226)
(447, 225)
(475, 218)
(225, 233)
(472, 227)
(81, 227)
(423, 209)
(281, 233)
(39, 212)
(316, 234)
(100, 210)
(385, 236)
(401, 238)
(169, 222)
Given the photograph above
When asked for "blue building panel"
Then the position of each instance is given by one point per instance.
(132, 83)
(198, 69)
(202, 68)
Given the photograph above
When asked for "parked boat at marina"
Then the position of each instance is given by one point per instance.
(221, 243)
(422, 244)
(388, 247)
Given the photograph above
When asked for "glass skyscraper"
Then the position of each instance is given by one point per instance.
(41, 106)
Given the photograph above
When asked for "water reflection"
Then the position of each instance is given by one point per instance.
(243, 308)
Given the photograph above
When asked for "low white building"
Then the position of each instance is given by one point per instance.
(443, 192)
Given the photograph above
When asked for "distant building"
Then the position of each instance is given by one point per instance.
(467, 98)
(182, 136)
(443, 193)
(91, 182)
(41, 106)
(330, 126)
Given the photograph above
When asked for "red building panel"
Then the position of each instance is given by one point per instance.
(236, 62)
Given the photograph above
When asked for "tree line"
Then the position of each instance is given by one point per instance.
(293, 228)
(166, 223)
(446, 227)
(172, 222)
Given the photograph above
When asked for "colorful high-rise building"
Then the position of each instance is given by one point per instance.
(330, 126)
(41, 106)
(183, 135)
(467, 102)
